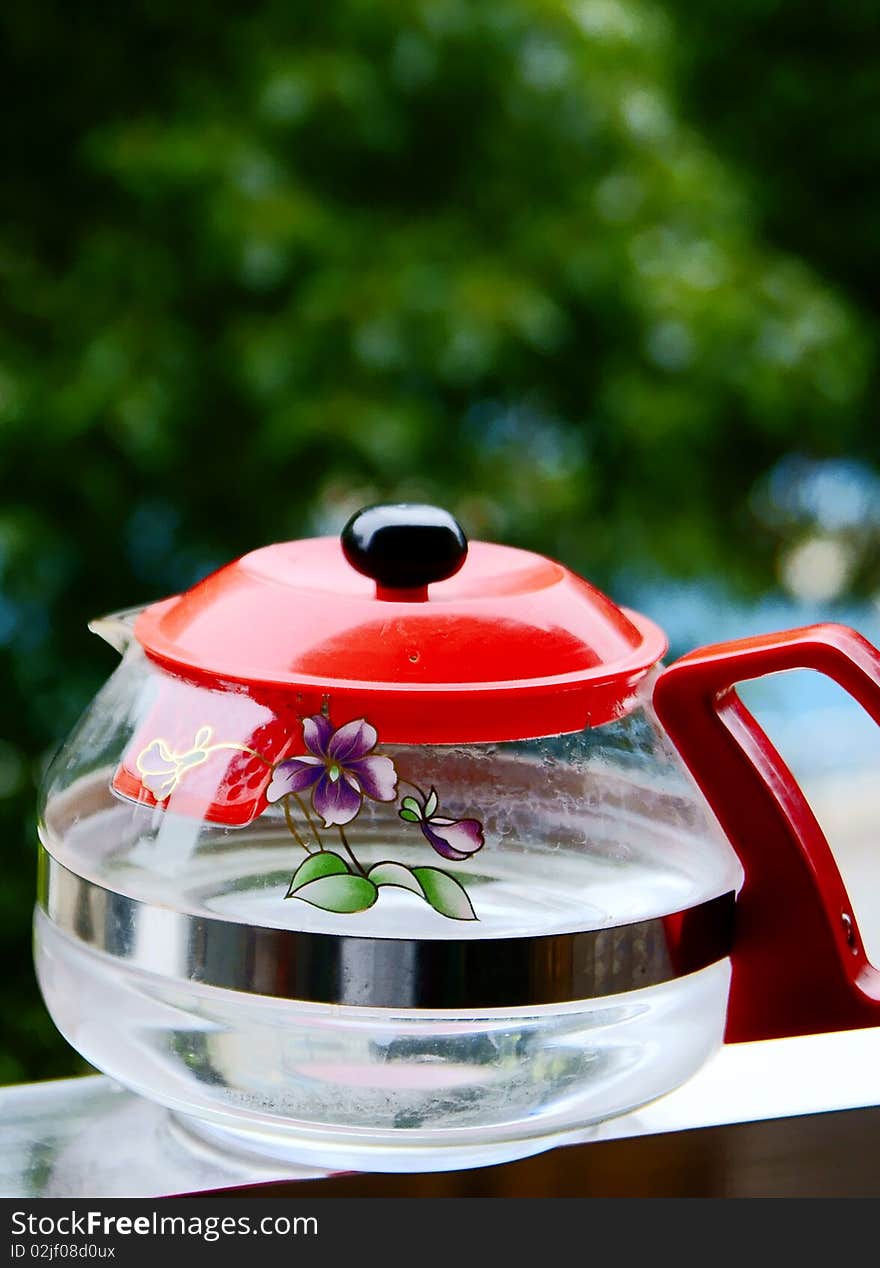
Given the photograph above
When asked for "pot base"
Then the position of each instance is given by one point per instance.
(301, 1149)
(376, 1089)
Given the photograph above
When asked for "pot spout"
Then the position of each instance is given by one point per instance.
(117, 628)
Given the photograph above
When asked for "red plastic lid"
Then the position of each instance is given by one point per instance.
(512, 646)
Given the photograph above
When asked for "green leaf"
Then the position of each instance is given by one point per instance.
(431, 804)
(339, 893)
(444, 893)
(409, 815)
(316, 866)
(410, 804)
(395, 874)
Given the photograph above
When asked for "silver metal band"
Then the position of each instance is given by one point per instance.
(394, 973)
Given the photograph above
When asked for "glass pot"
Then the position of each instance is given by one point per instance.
(389, 853)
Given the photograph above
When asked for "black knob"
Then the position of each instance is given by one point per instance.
(403, 545)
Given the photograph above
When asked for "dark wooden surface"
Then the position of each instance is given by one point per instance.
(818, 1156)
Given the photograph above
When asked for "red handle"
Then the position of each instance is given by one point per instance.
(799, 966)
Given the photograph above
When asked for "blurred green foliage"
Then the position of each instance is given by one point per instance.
(582, 271)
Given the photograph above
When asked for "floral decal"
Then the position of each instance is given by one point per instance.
(453, 838)
(161, 767)
(324, 789)
(339, 770)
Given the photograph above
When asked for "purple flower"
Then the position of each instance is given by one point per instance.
(340, 770)
(452, 838)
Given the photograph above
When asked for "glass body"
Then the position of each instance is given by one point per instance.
(581, 832)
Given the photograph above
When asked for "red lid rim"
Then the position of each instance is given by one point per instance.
(652, 648)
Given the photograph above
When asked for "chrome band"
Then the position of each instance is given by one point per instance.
(386, 972)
